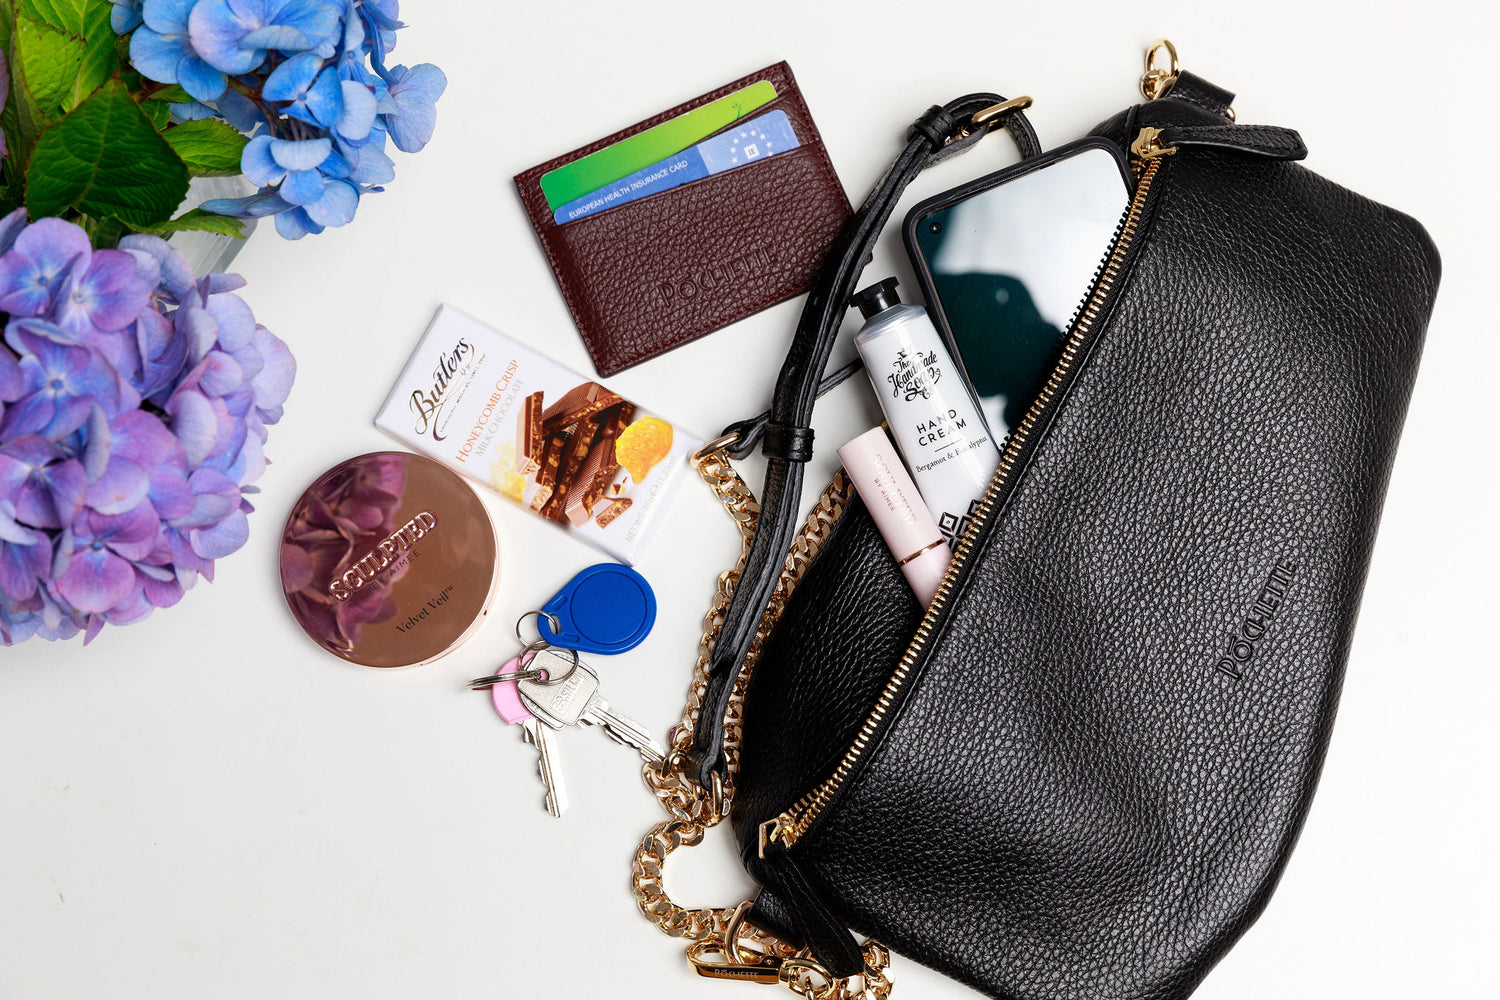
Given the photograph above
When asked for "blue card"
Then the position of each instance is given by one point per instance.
(746, 142)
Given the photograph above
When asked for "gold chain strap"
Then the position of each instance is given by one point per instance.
(722, 945)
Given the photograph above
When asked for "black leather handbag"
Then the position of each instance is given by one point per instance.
(1080, 772)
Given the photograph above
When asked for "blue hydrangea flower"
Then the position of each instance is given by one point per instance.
(328, 86)
(160, 49)
(234, 35)
(307, 94)
(125, 16)
(291, 163)
(415, 92)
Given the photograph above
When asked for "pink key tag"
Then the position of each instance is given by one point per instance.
(507, 696)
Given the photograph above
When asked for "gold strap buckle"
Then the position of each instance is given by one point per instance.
(991, 114)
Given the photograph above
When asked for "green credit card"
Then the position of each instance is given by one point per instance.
(607, 165)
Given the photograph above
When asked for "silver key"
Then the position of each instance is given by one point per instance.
(575, 701)
(540, 737)
(510, 706)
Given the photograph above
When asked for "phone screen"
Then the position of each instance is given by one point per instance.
(1010, 266)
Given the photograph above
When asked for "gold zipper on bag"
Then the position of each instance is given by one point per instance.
(789, 827)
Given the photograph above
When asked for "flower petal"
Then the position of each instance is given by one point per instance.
(11, 225)
(223, 538)
(303, 187)
(122, 487)
(195, 425)
(258, 165)
(295, 224)
(216, 32)
(221, 374)
(96, 580)
(170, 17)
(336, 207)
(415, 92)
(359, 111)
(236, 321)
(303, 154)
(273, 383)
(290, 80)
(156, 55)
(255, 206)
(374, 167)
(204, 82)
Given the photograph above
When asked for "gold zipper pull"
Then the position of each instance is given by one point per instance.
(773, 831)
(1148, 145)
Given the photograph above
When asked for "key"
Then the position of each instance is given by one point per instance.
(605, 609)
(574, 700)
(513, 710)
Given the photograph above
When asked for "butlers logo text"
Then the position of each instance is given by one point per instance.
(427, 404)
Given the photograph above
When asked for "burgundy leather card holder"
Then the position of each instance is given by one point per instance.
(653, 274)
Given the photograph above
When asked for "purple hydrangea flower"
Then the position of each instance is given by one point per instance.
(104, 291)
(38, 263)
(134, 403)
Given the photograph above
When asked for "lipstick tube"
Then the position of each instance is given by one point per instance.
(899, 513)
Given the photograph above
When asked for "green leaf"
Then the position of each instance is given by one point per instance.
(172, 93)
(7, 25)
(160, 114)
(64, 15)
(50, 61)
(105, 158)
(22, 118)
(209, 147)
(100, 56)
(199, 221)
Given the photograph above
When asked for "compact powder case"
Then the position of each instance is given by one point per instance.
(389, 559)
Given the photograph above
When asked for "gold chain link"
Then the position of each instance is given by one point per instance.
(723, 945)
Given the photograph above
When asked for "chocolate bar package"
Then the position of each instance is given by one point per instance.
(556, 444)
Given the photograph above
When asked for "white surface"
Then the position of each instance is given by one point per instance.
(206, 805)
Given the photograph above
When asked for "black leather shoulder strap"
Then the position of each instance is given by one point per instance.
(939, 133)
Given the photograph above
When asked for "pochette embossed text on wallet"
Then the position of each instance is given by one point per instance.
(644, 277)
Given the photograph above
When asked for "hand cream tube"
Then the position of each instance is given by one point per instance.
(897, 509)
(943, 438)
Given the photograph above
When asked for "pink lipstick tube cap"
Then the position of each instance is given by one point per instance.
(899, 513)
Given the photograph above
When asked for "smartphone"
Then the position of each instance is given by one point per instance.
(1006, 261)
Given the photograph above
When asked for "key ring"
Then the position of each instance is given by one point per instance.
(553, 622)
(526, 673)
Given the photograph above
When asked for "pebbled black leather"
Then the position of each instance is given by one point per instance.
(1094, 776)
(1260, 140)
(940, 132)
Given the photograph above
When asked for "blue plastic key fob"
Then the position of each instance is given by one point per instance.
(605, 609)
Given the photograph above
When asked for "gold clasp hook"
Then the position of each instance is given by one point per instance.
(1156, 81)
(991, 114)
(735, 956)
